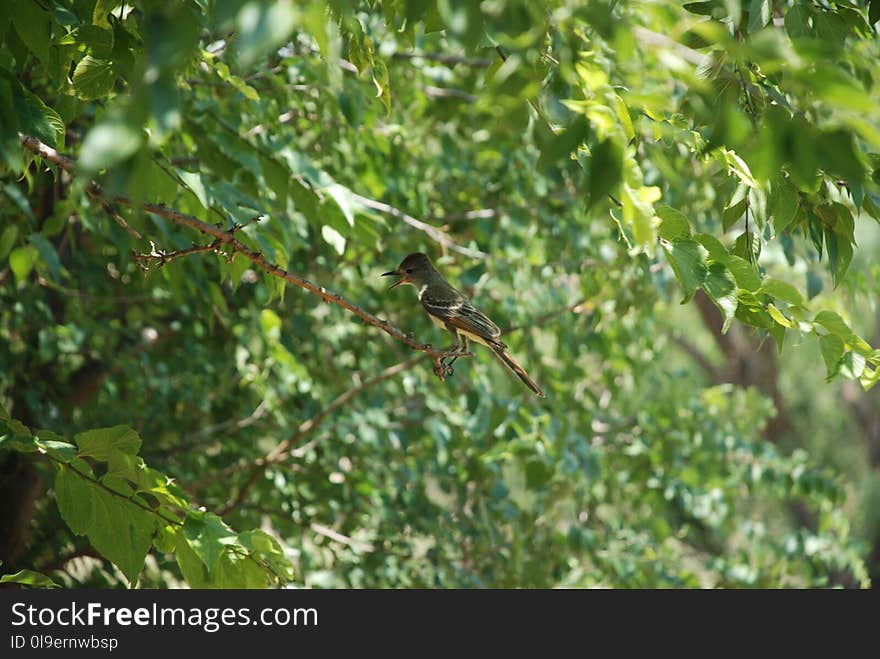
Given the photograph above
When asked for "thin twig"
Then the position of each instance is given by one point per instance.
(327, 532)
(112, 212)
(689, 55)
(448, 92)
(435, 233)
(432, 231)
(698, 356)
(120, 495)
(163, 257)
(753, 114)
(290, 447)
(61, 563)
(478, 214)
(228, 237)
(443, 58)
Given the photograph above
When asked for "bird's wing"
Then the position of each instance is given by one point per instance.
(461, 313)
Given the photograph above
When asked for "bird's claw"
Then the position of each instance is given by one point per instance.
(442, 370)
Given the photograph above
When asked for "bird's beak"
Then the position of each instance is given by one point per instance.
(395, 273)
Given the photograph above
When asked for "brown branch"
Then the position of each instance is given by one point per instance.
(227, 237)
(432, 231)
(448, 92)
(443, 58)
(327, 532)
(689, 55)
(285, 449)
(435, 233)
(61, 563)
(698, 356)
(112, 212)
(162, 257)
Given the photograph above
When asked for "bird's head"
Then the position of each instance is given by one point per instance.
(415, 269)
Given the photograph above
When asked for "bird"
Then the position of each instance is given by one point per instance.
(451, 310)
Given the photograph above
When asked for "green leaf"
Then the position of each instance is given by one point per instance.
(208, 536)
(39, 120)
(688, 261)
(103, 443)
(342, 196)
(759, 14)
(93, 78)
(22, 260)
(709, 8)
(606, 169)
(840, 255)
(191, 566)
(117, 528)
(109, 143)
(33, 26)
(269, 550)
(731, 215)
(47, 253)
(874, 11)
(29, 578)
(852, 366)
(832, 321)
(814, 285)
(333, 238)
(744, 272)
(260, 28)
(716, 249)
(239, 570)
(839, 156)
(97, 41)
(55, 445)
(832, 348)
(720, 286)
(784, 204)
(101, 12)
(778, 316)
(675, 225)
(559, 146)
(382, 83)
(7, 240)
(782, 291)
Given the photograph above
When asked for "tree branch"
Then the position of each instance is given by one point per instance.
(335, 536)
(227, 237)
(443, 58)
(448, 92)
(162, 257)
(285, 449)
(698, 356)
(432, 231)
(477, 214)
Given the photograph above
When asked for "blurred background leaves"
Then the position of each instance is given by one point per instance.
(613, 159)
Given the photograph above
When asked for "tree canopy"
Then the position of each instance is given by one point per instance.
(669, 209)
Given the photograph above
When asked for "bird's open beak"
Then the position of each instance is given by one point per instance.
(395, 273)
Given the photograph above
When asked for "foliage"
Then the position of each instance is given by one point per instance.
(104, 491)
(613, 158)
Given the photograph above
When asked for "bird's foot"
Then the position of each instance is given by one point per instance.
(442, 370)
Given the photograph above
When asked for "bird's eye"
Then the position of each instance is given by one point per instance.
(409, 271)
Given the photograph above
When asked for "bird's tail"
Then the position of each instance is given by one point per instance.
(502, 353)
